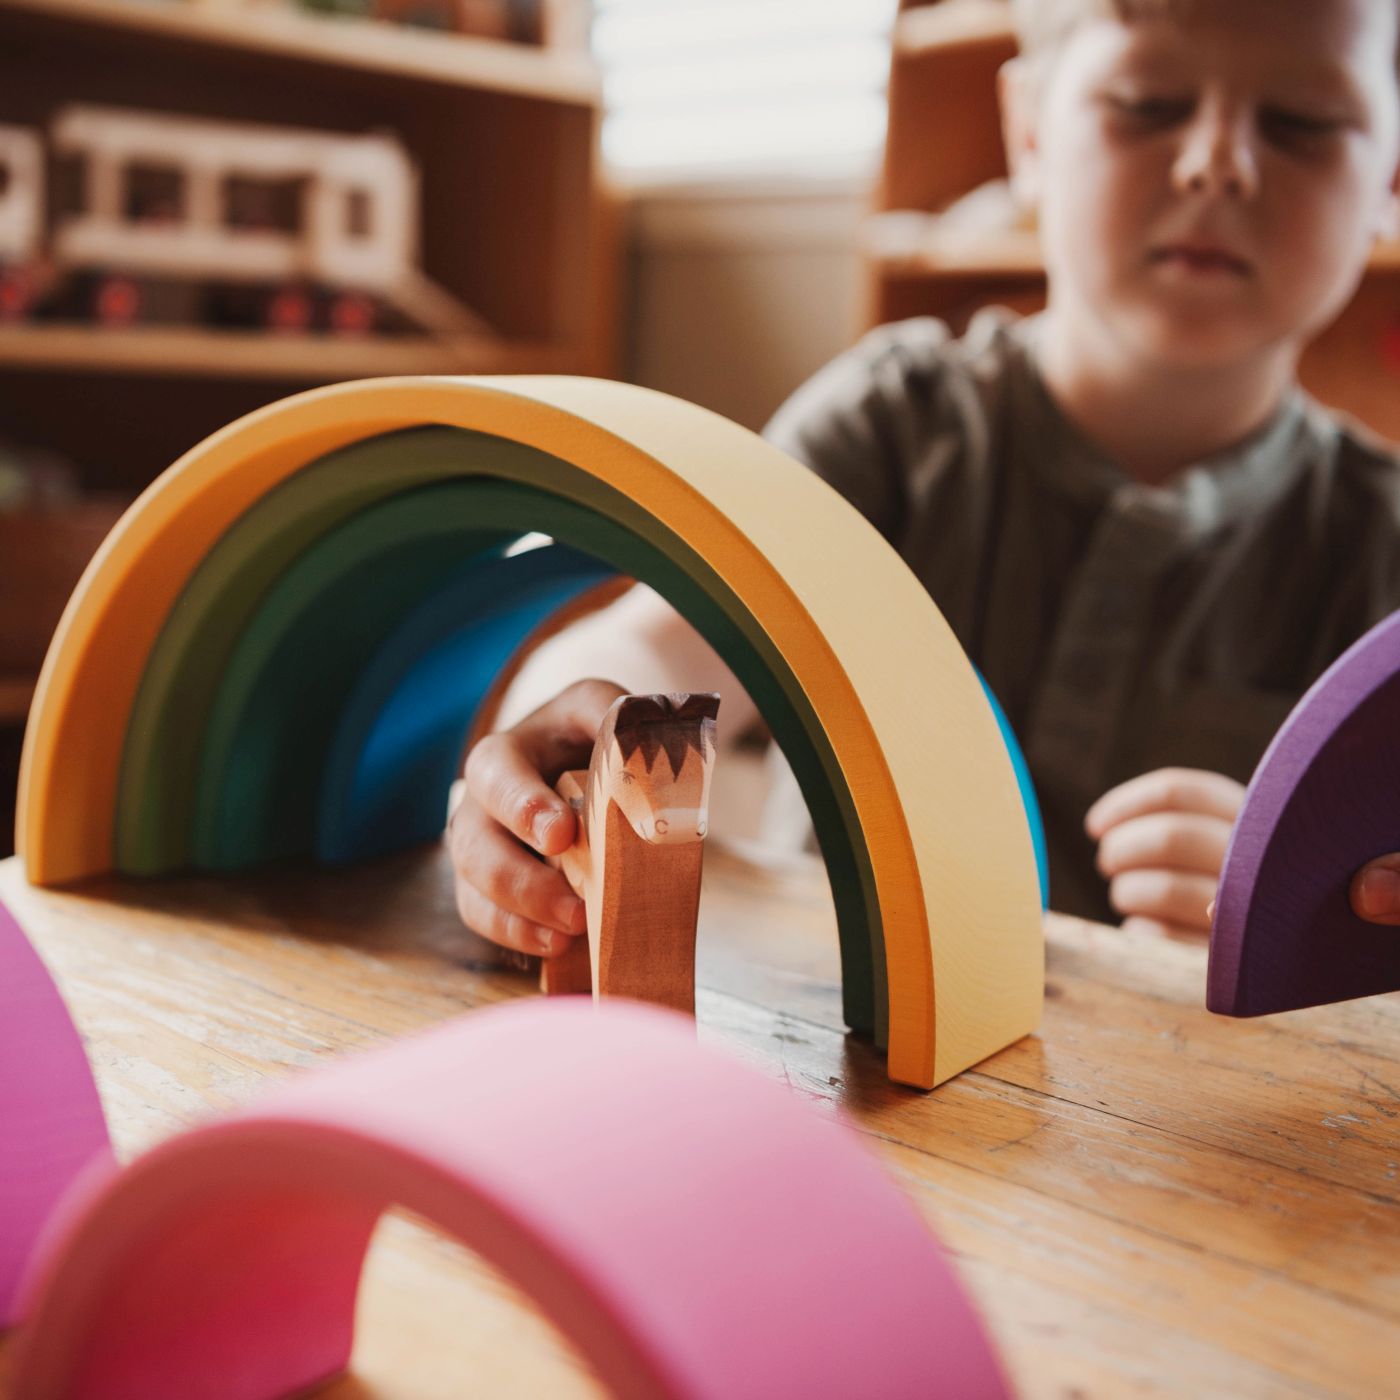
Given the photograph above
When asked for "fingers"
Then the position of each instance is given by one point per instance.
(1162, 841)
(1165, 840)
(1176, 897)
(1166, 790)
(506, 786)
(501, 869)
(562, 731)
(508, 775)
(508, 929)
(1155, 928)
(1375, 891)
(503, 891)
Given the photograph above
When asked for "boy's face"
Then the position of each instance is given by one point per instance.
(1209, 187)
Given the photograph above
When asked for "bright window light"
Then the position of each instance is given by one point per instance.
(726, 86)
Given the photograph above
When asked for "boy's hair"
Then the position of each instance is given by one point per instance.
(1043, 25)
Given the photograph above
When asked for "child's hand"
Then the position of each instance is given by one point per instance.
(1162, 840)
(509, 810)
(1375, 890)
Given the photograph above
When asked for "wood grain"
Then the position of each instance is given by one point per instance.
(1144, 1198)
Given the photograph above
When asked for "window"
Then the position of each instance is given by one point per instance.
(719, 87)
(155, 194)
(357, 214)
(261, 205)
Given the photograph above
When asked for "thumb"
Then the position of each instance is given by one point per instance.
(1375, 890)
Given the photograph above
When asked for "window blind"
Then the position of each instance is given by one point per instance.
(723, 86)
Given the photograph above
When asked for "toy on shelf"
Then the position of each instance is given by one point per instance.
(1324, 800)
(182, 219)
(263, 636)
(643, 809)
(553, 23)
(21, 220)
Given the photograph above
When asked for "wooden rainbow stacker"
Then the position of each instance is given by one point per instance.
(278, 651)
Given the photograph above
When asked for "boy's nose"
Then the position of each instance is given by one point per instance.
(1217, 154)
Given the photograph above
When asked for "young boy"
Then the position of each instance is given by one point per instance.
(1145, 536)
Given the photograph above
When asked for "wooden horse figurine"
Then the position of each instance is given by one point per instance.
(643, 809)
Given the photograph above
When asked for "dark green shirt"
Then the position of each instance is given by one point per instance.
(1123, 627)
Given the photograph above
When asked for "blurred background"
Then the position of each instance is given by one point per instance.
(206, 205)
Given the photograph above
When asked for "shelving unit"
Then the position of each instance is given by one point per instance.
(304, 359)
(345, 45)
(517, 224)
(944, 140)
(515, 219)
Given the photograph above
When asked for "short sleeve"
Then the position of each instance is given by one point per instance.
(863, 422)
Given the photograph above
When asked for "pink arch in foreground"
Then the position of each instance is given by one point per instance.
(689, 1225)
(51, 1121)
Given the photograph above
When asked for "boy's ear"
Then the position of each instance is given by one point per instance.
(1016, 90)
(1388, 217)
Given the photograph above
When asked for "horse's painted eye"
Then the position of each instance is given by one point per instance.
(662, 826)
(627, 778)
(700, 828)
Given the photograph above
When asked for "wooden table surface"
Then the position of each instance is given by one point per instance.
(1143, 1198)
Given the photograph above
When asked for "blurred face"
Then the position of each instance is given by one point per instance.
(1209, 187)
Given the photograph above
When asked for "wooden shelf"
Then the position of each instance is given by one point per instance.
(329, 42)
(15, 694)
(259, 355)
(1385, 257)
(902, 244)
(515, 222)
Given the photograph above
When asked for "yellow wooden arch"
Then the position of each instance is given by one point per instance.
(918, 747)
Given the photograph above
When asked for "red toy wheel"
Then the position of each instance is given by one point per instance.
(16, 294)
(290, 309)
(351, 313)
(117, 301)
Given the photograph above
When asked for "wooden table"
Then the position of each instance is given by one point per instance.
(1143, 1198)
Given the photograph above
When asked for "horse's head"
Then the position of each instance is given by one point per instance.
(658, 763)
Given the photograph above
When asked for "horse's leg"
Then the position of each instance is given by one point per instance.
(650, 897)
(571, 972)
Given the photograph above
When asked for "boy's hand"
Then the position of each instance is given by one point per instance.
(509, 810)
(1162, 840)
(1375, 891)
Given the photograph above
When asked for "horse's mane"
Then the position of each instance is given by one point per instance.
(676, 723)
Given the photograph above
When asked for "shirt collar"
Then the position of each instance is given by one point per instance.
(1198, 499)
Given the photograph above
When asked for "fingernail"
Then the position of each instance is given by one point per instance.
(570, 911)
(542, 825)
(1380, 892)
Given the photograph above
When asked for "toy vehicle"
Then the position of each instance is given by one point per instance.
(147, 216)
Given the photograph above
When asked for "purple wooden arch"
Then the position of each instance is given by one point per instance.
(1324, 800)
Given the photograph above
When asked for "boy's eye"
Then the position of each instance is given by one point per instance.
(1289, 128)
(1150, 113)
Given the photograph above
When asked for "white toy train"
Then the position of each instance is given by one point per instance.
(110, 206)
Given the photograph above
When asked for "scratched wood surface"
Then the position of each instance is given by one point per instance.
(1144, 1198)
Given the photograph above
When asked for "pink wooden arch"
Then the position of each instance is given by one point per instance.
(689, 1225)
(51, 1122)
